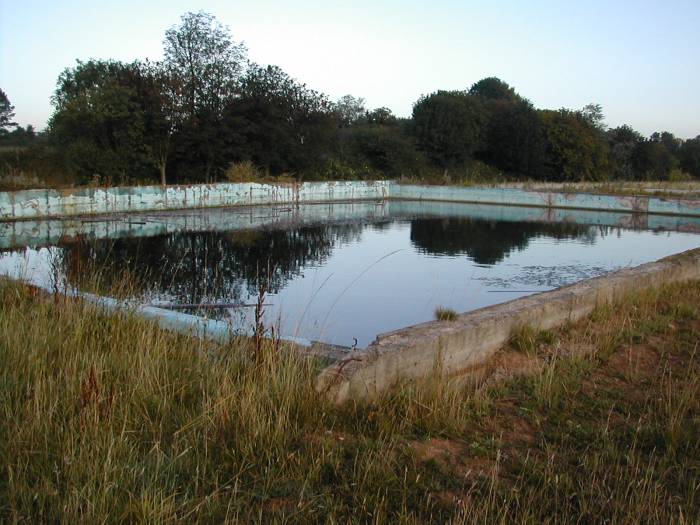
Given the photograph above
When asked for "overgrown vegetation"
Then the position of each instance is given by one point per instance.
(109, 419)
(205, 108)
(445, 314)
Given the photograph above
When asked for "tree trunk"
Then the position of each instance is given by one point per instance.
(161, 165)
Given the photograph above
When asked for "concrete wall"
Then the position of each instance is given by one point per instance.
(475, 336)
(34, 204)
(547, 199)
(48, 232)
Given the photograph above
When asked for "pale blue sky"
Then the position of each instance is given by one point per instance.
(640, 60)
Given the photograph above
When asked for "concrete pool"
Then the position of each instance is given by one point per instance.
(346, 271)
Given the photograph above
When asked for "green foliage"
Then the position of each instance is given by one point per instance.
(350, 109)
(204, 108)
(493, 88)
(515, 139)
(652, 160)
(690, 156)
(445, 314)
(244, 171)
(622, 142)
(381, 146)
(7, 113)
(575, 150)
(280, 124)
(449, 126)
(100, 122)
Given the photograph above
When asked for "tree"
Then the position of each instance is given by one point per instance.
(7, 113)
(99, 121)
(279, 123)
(381, 116)
(593, 114)
(652, 160)
(670, 142)
(159, 92)
(493, 88)
(350, 109)
(690, 156)
(201, 53)
(622, 142)
(207, 63)
(448, 126)
(514, 139)
(575, 149)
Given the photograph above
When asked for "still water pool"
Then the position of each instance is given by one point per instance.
(342, 273)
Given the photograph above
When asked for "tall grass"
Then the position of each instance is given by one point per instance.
(109, 419)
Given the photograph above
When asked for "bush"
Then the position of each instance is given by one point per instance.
(244, 171)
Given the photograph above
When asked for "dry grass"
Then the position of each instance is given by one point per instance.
(109, 419)
(445, 314)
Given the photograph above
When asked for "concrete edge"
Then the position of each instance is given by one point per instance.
(469, 341)
(194, 325)
(48, 203)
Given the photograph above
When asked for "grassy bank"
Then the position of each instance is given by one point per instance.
(111, 419)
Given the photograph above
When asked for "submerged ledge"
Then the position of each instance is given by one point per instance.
(49, 203)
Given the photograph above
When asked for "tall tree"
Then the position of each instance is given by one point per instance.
(99, 120)
(160, 94)
(350, 109)
(514, 139)
(279, 123)
(493, 88)
(448, 126)
(690, 156)
(202, 54)
(623, 142)
(207, 63)
(575, 149)
(593, 114)
(652, 160)
(7, 113)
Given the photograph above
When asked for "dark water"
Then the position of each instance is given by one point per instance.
(353, 280)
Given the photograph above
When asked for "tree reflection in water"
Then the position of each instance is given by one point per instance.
(487, 242)
(200, 267)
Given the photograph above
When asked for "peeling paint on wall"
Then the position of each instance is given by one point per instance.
(34, 204)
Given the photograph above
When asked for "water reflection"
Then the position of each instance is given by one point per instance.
(196, 267)
(340, 279)
(487, 242)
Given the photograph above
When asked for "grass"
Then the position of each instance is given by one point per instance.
(110, 419)
(445, 314)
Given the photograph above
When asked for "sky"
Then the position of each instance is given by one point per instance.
(639, 59)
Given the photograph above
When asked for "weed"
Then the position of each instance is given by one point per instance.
(445, 314)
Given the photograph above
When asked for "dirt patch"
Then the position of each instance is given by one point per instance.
(282, 504)
(639, 361)
(440, 450)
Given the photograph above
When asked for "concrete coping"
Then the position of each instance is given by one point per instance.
(471, 339)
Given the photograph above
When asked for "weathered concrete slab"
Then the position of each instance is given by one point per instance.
(49, 232)
(35, 204)
(32, 204)
(470, 340)
(549, 199)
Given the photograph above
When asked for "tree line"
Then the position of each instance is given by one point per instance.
(205, 111)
